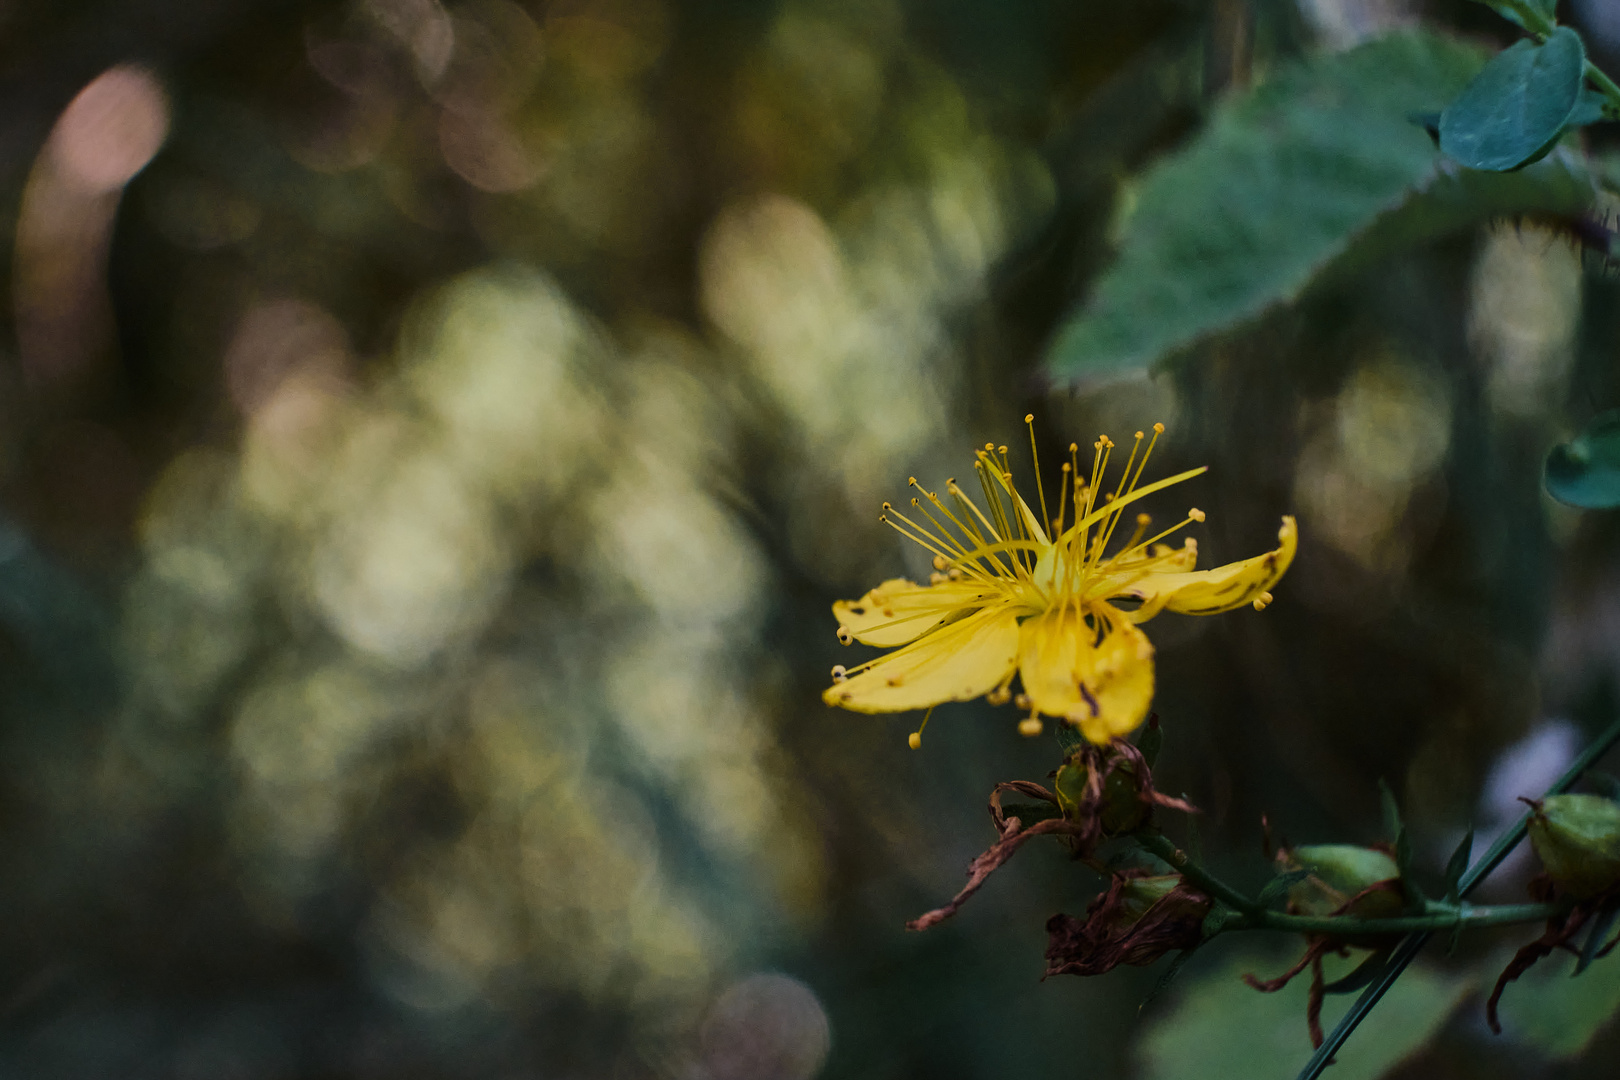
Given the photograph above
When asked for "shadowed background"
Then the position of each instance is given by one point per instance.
(431, 435)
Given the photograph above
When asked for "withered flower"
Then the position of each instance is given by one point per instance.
(1139, 919)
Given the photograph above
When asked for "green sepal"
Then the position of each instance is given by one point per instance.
(1594, 939)
(1279, 886)
(1068, 737)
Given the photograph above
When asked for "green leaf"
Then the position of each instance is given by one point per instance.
(1151, 742)
(1586, 470)
(1514, 110)
(1457, 865)
(1602, 923)
(1318, 169)
(1592, 108)
(1392, 812)
(1068, 737)
(1365, 972)
(1216, 1028)
(1167, 977)
(1554, 1013)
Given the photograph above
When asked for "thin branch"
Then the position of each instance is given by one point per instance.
(1408, 949)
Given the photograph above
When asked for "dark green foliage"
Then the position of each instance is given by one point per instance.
(1514, 111)
(1585, 471)
(1318, 170)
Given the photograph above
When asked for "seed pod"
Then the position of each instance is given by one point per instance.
(1578, 840)
(1340, 873)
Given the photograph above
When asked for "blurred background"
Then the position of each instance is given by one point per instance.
(432, 433)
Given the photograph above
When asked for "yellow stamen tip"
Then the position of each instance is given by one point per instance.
(1141, 435)
(914, 740)
(939, 562)
(839, 673)
(1158, 429)
(1031, 727)
(1029, 418)
(1143, 519)
(1196, 514)
(1022, 701)
(844, 636)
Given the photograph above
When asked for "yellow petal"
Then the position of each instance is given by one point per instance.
(1096, 670)
(957, 662)
(1129, 568)
(1206, 592)
(899, 611)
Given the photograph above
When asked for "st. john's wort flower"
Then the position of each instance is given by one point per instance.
(1014, 594)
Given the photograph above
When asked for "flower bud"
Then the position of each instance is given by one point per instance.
(1340, 875)
(1578, 840)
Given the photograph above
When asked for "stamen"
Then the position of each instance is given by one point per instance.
(1261, 601)
(1035, 460)
(844, 636)
(1031, 727)
(839, 673)
(1196, 514)
(914, 740)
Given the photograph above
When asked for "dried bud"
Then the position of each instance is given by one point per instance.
(1578, 840)
(1345, 880)
(1138, 920)
(1120, 807)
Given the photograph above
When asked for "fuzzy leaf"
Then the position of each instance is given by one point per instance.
(1317, 170)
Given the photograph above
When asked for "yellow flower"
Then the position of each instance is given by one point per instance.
(1007, 600)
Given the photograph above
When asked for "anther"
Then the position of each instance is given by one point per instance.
(1022, 701)
(940, 562)
(887, 507)
(1141, 435)
(1143, 519)
(1074, 447)
(1029, 418)
(844, 636)
(1001, 449)
(914, 740)
(1031, 727)
(1196, 514)
(1158, 429)
(839, 673)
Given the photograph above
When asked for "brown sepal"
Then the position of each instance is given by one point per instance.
(1109, 937)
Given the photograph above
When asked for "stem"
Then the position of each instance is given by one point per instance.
(1255, 917)
(1466, 915)
(1408, 949)
(1158, 844)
